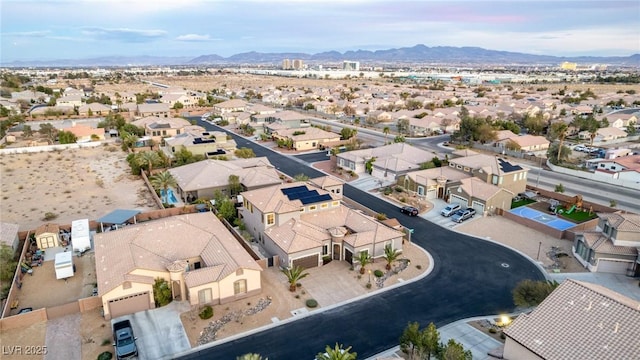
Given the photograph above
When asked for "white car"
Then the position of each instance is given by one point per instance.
(579, 148)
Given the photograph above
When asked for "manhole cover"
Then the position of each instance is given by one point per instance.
(504, 265)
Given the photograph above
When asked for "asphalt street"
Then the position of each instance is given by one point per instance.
(471, 277)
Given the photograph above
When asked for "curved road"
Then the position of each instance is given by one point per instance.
(471, 277)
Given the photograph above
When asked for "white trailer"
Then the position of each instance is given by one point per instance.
(80, 235)
(64, 265)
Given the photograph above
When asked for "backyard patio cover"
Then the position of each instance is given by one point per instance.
(118, 217)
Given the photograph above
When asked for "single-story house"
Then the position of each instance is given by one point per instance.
(96, 109)
(194, 253)
(306, 139)
(153, 109)
(389, 161)
(86, 133)
(159, 127)
(200, 143)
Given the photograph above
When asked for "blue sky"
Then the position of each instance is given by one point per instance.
(72, 29)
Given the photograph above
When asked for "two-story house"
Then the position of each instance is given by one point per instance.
(200, 143)
(612, 247)
(302, 224)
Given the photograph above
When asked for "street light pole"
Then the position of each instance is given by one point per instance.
(539, 246)
(539, 171)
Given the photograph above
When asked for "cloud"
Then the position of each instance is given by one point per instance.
(124, 34)
(194, 37)
(36, 34)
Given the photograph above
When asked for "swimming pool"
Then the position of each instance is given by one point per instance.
(550, 220)
(171, 198)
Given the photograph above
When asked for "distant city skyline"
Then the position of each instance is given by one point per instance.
(75, 29)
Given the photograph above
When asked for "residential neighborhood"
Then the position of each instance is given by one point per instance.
(258, 206)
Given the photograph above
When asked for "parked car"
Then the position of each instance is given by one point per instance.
(409, 210)
(25, 310)
(450, 210)
(463, 214)
(125, 341)
(579, 148)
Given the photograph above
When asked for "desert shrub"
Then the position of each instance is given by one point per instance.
(106, 342)
(402, 199)
(378, 273)
(49, 216)
(311, 303)
(368, 285)
(398, 189)
(206, 313)
(492, 330)
(107, 355)
(418, 267)
(387, 191)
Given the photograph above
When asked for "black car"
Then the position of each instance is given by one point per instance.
(409, 210)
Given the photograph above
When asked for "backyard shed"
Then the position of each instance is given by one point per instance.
(80, 235)
(48, 236)
(64, 265)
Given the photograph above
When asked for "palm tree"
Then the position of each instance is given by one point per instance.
(391, 255)
(386, 131)
(164, 181)
(148, 159)
(250, 356)
(363, 259)
(560, 129)
(337, 353)
(294, 274)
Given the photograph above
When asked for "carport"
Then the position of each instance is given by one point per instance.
(118, 218)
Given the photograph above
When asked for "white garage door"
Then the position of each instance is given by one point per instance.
(432, 194)
(479, 207)
(612, 266)
(455, 199)
(129, 304)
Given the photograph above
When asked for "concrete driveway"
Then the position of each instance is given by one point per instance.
(159, 331)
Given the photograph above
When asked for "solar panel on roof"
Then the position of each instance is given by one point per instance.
(294, 189)
(305, 195)
(508, 167)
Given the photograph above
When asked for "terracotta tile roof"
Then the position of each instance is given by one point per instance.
(601, 244)
(272, 199)
(488, 163)
(479, 189)
(231, 104)
(202, 276)
(404, 152)
(429, 176)
(296, 235)
(580, 321)
(622, 222)
(215, 173)
(309, 133)
(324, 181)
(156, 245)
(48, 228)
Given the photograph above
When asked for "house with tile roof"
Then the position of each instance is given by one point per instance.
(493, 170)
(482, 196)
(578, 320)
(525, 143)
(623, 168)
(305, 139)
(612, 247)
(153, 109)
(199, 143)
(200, 180)
(96, 109)
(162, 127)
(390, 161)
(229, 106)
(194, 253)
(302, 224)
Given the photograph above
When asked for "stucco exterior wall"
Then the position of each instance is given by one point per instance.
(515, 351)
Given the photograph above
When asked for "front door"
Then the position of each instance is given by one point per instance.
(348, 256)
(336, 251)
(440, 192)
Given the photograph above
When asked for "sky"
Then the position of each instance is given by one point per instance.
(79, 29)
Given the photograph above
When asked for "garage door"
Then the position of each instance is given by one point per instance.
(307, 261)
(431, 194)
(611, 266)
(455, 199)
(129, 304)
(479, 207)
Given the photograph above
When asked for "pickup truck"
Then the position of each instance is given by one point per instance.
(462, 215)
(124, 341)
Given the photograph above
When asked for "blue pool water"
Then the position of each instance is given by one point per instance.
(171, 198)
(550, 220)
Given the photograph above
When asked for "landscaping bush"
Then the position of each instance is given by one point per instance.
(398, 189)
(492, 330)
(107, 355)
(418, 267)
(387, 191)
(368, 285)
(311, 303)
(378, 273)
(206, 313)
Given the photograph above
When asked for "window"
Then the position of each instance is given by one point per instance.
(312, 207)
(178, 132)
(338, 191)
(240, 287)
(500, 180)
(239, 272)
(197, 265)
(324, 206)
(421, 190)
(301, 209)
(204, 296)
(335, 203)
(271, 219)
(366, 251)
(164, 132)
(494, 179)
(325, 249)
(606, 229)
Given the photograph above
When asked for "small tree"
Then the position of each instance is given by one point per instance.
(48, 131)
(245, 153)
(559, 188)
(148, 159)
(251, 356)
(454, 351)
(390, 255)
(412, 342)
(67, 137)
(337, 353)
(294, 274)
(7, 263)
(364, 259)
(178, 105)
(301, 177)
(234, 184)
(531, 293)
(27, 132)
(161, 292)
(430, 341)
(164, 181)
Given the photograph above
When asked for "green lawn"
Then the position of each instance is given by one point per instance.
(523, 202)
(579, 216)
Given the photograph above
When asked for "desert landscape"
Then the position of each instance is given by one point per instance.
(67, 185)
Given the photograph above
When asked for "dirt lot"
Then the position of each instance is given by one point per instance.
(72, 184)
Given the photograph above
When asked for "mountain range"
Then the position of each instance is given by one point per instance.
(442, 55)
